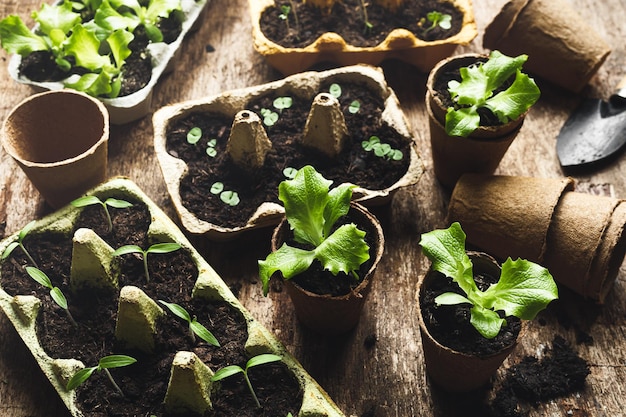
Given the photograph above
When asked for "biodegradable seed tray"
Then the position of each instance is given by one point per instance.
(22, 310)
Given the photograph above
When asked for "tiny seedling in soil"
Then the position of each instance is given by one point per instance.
(195, 328)
(104, 364)
(381, 150)
(55, 292)
(235, 369)
(523, 289)
(156, 248)
(109, 202)
(20, 243)
(312, 211)
(227, 196)
(194, 135)
(210, 148)
(335, 90)
(443, 20)
(476, 91)
(284, 14)
(354, 107)
(282, 103)
(269, 117)
(368, 24)
(290, 172)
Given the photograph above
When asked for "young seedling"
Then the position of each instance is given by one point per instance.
(269, 117)
(235, 369)
(443, 20)
(156, 248)
(335, 90)
(381, 150)
(55, 292)
(368, 25)
(109, 202)
(195, 328)
(290, 172)
(20, 243)
(476, 89)
(227, 196)
(104, 364)
(312, 211)
(282, 103)
(194, 135)
(523, 289)
(284, 14)
(210, 148)
(354, 107)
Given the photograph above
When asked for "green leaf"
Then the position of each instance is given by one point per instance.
(58, 297)
(462, 122)
(109, 18)
(524, 289)
(194, 135)
(514, 101)
(39, 276)
(84, 46)
(16, 38)
(177, 310)
(354, 107)
(164, 247)
(26, 229)
(290, 261)
(446, 250)
(10, 248)
(217, 188)
(80, 377)
(119, 204)
(115, 361)
(499, 68)
(473, 87)
(305, 198)
(203, 333)
(161, 8)
(93, 84)
(487, 322)
(451, 298)
(118, 43)
(262, 359)
(226, 371)
(343, 251)
(230, 197)
(282, 103)
(335, 90)
(153, 32)
(59, 17)
(126, 249)
(85, 201)
(337, 206)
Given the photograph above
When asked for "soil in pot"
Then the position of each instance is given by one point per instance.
(347, 20)
(450, 325)
(40, 66)
(354, 165)
(171, 278)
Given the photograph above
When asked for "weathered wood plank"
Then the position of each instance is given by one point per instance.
(387, 378)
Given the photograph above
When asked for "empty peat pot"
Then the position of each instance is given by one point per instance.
(59, 138)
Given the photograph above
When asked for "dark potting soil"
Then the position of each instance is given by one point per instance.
(171, 279)
(347, 19)
(558, 373)
(39, 66)
(353, 165)
(450, 324)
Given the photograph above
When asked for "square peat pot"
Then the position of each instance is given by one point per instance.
(97, 272)
(345, 122)
(125, 109)
(331, 47)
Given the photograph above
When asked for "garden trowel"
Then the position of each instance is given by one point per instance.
(594, 131)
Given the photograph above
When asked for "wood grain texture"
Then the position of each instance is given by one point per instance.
(386, 379)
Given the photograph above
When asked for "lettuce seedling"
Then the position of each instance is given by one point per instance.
(104, 364)
(235, 369)
(20, 243)
(156, 248)
(523, 289)
(195, 328)
(55, 292)
(109, 202)
(476, 90)
(443, 20)
(312, 211)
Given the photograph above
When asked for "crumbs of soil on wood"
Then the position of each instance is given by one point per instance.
(559, 373)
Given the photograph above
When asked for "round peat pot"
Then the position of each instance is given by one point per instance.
(448, 368)
(59, 138)
(334, 315)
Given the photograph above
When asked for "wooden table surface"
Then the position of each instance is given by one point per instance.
(386, 379)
